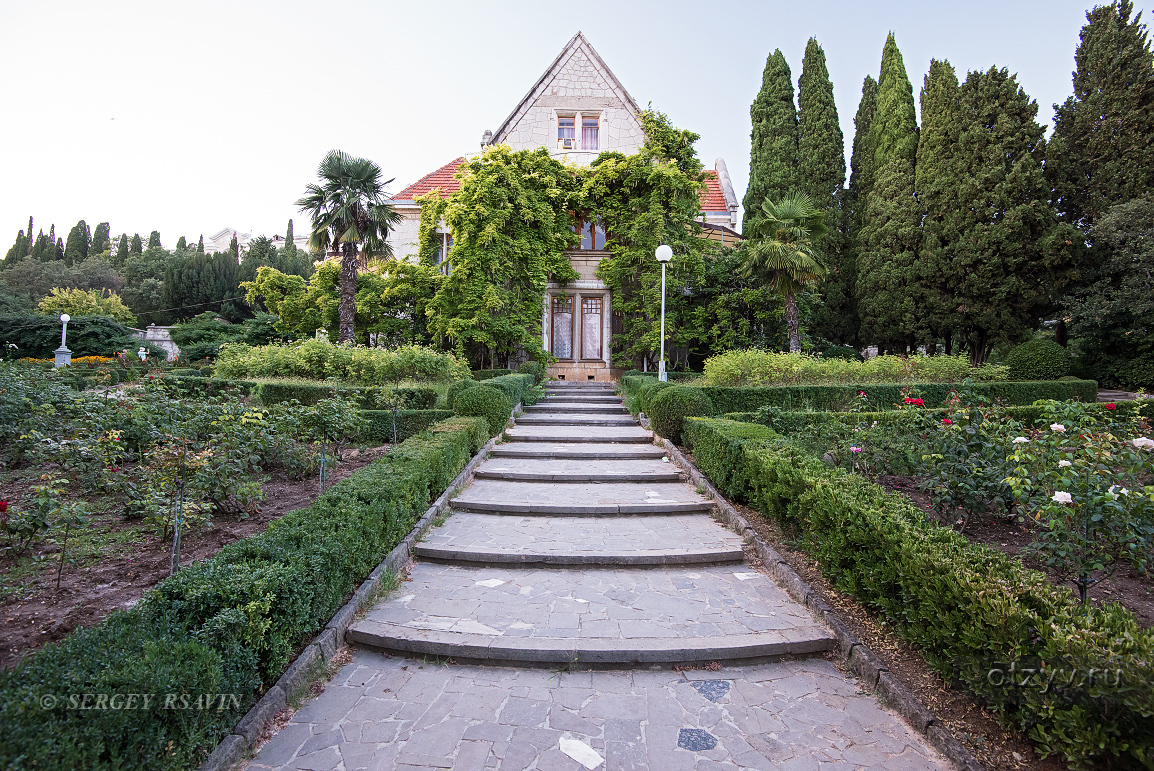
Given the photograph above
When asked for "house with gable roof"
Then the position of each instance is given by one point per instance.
(577, 109)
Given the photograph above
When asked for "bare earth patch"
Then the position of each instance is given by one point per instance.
(135, 562)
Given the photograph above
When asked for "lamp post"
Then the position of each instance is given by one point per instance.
(63, 355)
(663, 254)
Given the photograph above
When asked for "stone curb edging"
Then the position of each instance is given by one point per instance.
(232, 747)
(854, 652)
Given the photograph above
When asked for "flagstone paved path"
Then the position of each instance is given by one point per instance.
(575, 572)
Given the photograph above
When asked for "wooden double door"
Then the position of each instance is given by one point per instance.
(584, 328)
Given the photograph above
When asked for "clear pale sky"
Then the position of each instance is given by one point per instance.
(186, 118)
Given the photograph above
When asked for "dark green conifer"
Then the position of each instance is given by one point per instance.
(153, 239)
(821, 174)
(76, 247)
(888, 297)
(181, 244)
(937, 181)
(29, 232)
(861, 159)
(17, 252)
(1102, 150)
(100, 242)
(58, 252)
(121, 251)
(234, 247)
(137, 246)
(773, 155)
(200, 245)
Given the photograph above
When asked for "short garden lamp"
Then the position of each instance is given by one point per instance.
(664, 254)
(63, 355)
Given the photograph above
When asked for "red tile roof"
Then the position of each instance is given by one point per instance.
(712, 199)
(444, 178)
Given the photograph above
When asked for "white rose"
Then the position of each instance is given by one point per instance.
(1058, 427)
(1144, 443)
(1020, 439)
(1061, 497)
(1064, 464)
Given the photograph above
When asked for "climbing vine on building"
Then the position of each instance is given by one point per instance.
(511, 223)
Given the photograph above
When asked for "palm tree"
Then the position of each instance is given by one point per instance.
(349, 211)
(780, 250)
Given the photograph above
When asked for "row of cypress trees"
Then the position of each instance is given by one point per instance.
(968, 230)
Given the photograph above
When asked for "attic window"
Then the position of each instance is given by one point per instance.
(566, 131)
(589, 127)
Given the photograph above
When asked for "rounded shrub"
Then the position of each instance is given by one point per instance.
(1038, 359)
(485, 402)
(533, 368)
(455, 390)
(669, 408)
(648, 391)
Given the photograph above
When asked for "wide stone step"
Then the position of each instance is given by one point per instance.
(580, 434)
(571, 399)
(567, 541)
(606, 616)
(575, 419)
(575, 408)
(578, 470)
(591, 451)
(579, 499)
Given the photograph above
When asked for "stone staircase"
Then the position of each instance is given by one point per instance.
(579, 543)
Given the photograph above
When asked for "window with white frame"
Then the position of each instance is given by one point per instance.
(442, 256)
(567, 132)
(590, 124)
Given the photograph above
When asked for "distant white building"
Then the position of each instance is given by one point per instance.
(222, 241)
(300, 242)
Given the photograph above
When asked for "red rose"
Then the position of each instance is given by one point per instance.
(1111, 406)
(947, 421)
(3, 506)
(920, 402)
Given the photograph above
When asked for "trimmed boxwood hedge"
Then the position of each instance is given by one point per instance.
(669, 407)
(368, 397)
(789, 422)
(1038, 359)
(489, 374)
(455, 389)
(229, 624)
(486, 402)
(408, 422)
(968, 608)
(881, 396)
(517, 387)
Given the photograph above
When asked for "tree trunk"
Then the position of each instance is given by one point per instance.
(348, 304)
(792, 322)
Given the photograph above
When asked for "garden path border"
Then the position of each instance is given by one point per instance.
(855, 654)
(323, 647)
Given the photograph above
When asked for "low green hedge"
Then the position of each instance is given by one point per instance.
(881, 396)
(669, 407)
(408, 422)
(229, 624)
(969, 609)
(486, 402)
(668, 375)
(489, 374)
(210, 386)
(517, 387)
(455, 389)
(368, 397)
(790, 422)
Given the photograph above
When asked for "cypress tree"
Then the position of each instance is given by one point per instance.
(76, 248)
(773, 155)
(17, 252)
(153, 239)
(887, 289)
(820, 144)
(234, 247)
(1102, 150)
(181, 244)
(121, 250)
(100, 242)
(937, 181)
(821, 174)
(288, 237)
(1005, 245)
(200, 245)
(29, 231)
(58, 252)
(137, 246)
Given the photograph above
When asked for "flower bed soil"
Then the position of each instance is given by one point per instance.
(38, 613)
(1126, 586)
